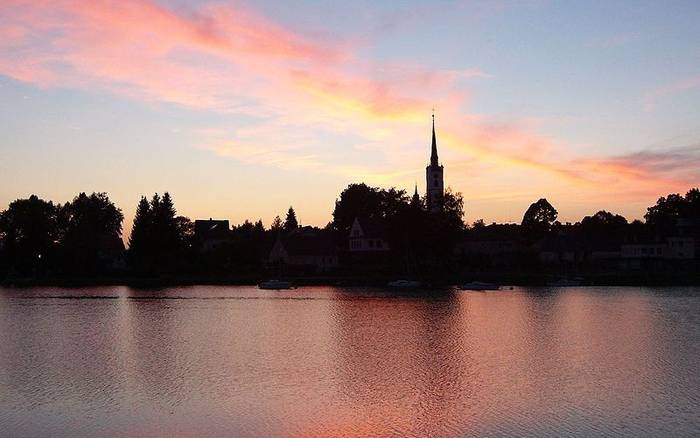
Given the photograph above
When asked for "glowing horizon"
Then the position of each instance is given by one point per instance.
(219, 103)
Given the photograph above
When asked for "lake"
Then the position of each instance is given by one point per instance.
(321, 361)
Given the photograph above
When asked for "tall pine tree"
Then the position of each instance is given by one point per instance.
(141, 239)
(291, 223)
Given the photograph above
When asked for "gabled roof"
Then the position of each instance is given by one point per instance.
(370, 228)
(308, 241)
(211, 229)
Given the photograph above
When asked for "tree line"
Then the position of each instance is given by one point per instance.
(83, 237)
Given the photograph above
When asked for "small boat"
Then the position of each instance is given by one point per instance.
(565, 282)
(403, 283)
(275, 284)
(479, 285)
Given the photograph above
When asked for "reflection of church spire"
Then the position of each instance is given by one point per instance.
(434, 153)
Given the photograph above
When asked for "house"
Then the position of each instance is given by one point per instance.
(210, 234)
(366, 236)
(492, 245)
(681, 248)
(561, 248)
(305, 248)
(675, 248)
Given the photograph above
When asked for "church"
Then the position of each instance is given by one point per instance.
(368, 237)
(434, 177)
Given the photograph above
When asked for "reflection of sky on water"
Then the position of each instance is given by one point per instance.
(339, 362)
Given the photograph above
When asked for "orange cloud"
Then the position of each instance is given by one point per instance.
(231, 59)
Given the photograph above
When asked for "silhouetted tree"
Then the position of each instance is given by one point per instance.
(356, 200)
(249, 247)
(30, 234)
(664, 215)
(603, 228)
(291, 223)
(92, 236)
(361, 200)
(259, 228)
(276, 224)
(157, 239)
(603, 221)
(140, 241)
(165, 228)
(539, 218)
(185, 231)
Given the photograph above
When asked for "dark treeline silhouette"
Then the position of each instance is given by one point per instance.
(421, 242)
(374, 233)
(80, 237)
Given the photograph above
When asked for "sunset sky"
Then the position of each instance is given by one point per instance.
(241, 109)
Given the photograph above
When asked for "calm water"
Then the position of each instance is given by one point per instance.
(235, 361)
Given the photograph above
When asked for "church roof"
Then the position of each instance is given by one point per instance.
(433, 152)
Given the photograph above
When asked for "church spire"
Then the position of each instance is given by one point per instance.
(415, 200)
(434, 153)
(434, 178)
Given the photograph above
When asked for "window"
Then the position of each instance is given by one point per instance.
(379, 244)
(371, 243)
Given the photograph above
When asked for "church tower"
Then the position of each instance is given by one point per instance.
(435, 183)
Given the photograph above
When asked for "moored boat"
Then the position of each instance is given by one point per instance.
(275, 284)
(565, 282)
(479, 285)
(404, 283)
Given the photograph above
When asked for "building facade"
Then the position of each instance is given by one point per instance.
(367, 236)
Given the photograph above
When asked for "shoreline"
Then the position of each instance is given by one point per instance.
(539, 279)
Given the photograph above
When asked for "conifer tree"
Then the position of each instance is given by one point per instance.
(140, 241)
(168, 227)
(291, 222)
(276, 224)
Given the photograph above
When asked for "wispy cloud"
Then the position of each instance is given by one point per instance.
(652, 98)
(226, 58)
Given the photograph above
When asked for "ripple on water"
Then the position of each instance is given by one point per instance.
(222, 361)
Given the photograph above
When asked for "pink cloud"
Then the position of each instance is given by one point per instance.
(229, 58)
(652, 98)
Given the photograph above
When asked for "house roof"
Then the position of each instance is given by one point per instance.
(211, 229)
(308, 241)
(370, 228)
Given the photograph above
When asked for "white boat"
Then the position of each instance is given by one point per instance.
(479, 285)
(403, 283)
(275, 284)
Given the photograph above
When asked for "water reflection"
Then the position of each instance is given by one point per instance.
(349, 362)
